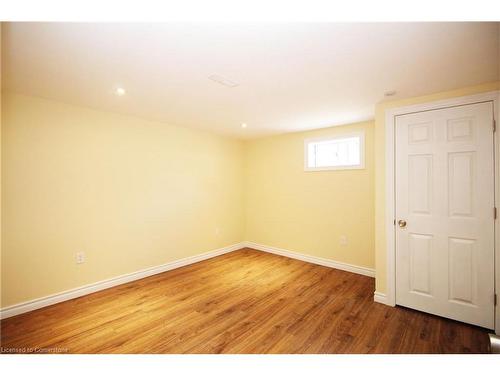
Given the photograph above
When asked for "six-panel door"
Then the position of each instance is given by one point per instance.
(445, 193)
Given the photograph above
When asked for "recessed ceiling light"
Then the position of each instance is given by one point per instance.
(243, 125)
(390, 93)
(120, 91)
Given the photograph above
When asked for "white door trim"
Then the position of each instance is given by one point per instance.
(390, 115)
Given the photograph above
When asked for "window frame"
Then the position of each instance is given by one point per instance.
(361, 165)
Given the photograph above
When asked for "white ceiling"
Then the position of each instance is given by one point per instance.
(291, 76)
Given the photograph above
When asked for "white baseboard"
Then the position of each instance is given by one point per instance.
(38, 303)
(313, 259)
(380, 298)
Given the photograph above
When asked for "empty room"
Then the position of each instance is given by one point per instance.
(250, 188)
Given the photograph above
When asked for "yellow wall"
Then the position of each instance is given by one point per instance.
(380, 228)
(130, 193)
(307, 212)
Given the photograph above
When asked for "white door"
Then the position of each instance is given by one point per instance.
(445, 194)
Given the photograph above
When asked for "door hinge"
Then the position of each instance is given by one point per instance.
(494, 125)
(394, 223)
(495, 213)
(495, 299)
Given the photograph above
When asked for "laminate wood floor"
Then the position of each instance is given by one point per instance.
(242, 302)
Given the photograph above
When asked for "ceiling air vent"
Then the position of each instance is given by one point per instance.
(222, 80)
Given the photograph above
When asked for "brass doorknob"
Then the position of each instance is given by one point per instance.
(402, 223)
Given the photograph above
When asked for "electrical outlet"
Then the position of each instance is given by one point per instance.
(343, 240)
(80, 257)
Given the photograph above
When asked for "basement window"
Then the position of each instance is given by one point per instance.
(337, 152)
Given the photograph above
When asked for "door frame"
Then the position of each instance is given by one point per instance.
(390, 182)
